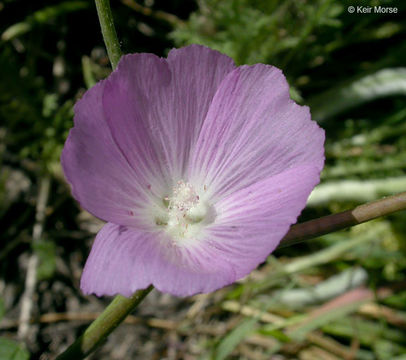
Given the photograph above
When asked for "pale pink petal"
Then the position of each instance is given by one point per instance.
(252, 131)
(155, 107)
(100, 176)
(251, 222)
(124, 260)
(119, 262)
(197, 72)
(129, 99)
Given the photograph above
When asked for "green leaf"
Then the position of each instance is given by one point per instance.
(301, 331)
(387, 349)
(2, 308)
(397, 300)
(232, 339)
(366, 331)
(12, 350)
(386, 82)
(45, 251)
(276, 334)
(42, 16)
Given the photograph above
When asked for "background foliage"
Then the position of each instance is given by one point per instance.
(342, 296)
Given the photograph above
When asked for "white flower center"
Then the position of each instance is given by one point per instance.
(185, 212)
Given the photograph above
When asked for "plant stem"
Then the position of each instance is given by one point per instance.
(98, 331)
(108, 31)
(327, 224)
(121, 306)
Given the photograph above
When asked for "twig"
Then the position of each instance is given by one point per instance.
(342, 305)
(327, 224)
(264, 316)
(157, 14)
(330, 344)
(51, 318)
(198, 306)
(379, 311)
(31, 276)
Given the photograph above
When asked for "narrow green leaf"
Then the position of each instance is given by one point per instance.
(45, 251)
(276, 334)
(42, 16)
(232, 339)
(366, 331)
(300, 332)
(12, 350)
(2, 308)
(88, 75)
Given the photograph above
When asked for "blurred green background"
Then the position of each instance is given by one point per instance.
(342, 296)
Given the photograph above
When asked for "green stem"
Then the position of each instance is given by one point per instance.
(360, 214)
(121, 306)
(98, 331)
(108, 31)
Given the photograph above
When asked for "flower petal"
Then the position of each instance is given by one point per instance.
(197, 72)
(248, 227)
(251, 222)
(124, 260)
(155, 107)
(118, 262)
(100, 176)
(252, 131)
(128, 104)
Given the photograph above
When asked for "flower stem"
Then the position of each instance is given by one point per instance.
(121, 306)
(360, 214)
(98, 331)
(108, 31)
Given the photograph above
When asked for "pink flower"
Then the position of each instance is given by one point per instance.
(199, 168)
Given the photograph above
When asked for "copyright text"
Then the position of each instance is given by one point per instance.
(372, 10)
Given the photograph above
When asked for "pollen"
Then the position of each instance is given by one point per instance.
(184, 213)
(184, 197)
